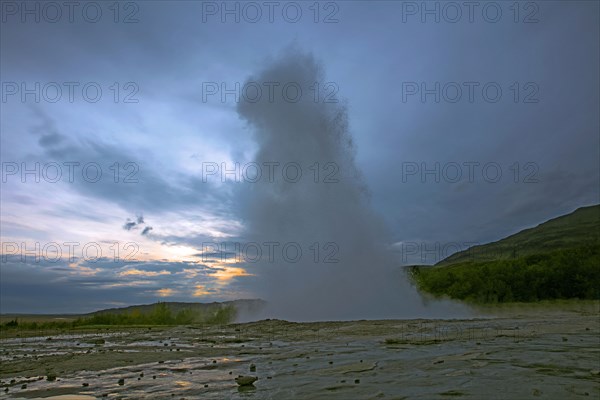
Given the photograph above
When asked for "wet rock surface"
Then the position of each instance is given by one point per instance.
(515, 355)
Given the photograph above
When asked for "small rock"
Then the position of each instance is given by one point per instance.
(357, 381)
(252, 368)
(85, 384)
(121, 381)
(205, 385)
(24, 386)
(245, 380)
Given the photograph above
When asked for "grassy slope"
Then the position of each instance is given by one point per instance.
(558, 259)
(579, 228)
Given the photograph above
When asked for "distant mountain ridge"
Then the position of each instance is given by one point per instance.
(241, 305)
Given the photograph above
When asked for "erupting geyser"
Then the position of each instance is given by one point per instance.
(346, 269)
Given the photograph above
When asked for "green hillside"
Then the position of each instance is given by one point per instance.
(579, 228)
(559, 259)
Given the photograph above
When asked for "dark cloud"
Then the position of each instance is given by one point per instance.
(129, 225)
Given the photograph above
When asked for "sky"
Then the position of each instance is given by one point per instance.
(150, 149)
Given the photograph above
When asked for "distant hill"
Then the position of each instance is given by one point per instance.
(162, 313)
(577, 229)
(241, 306)
(559, 259)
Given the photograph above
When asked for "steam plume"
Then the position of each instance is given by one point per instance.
(366, 281)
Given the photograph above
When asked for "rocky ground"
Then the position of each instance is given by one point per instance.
(554, 354)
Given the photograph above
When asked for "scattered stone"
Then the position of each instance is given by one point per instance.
(153, 376)
(564, 339)
(439, 362)
(121, 381)
(85, 384)
(206, 385)
(24, 386)
(252, 368)
(357, 381)
(245, 380)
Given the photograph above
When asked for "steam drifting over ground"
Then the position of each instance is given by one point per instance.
(365, 282)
